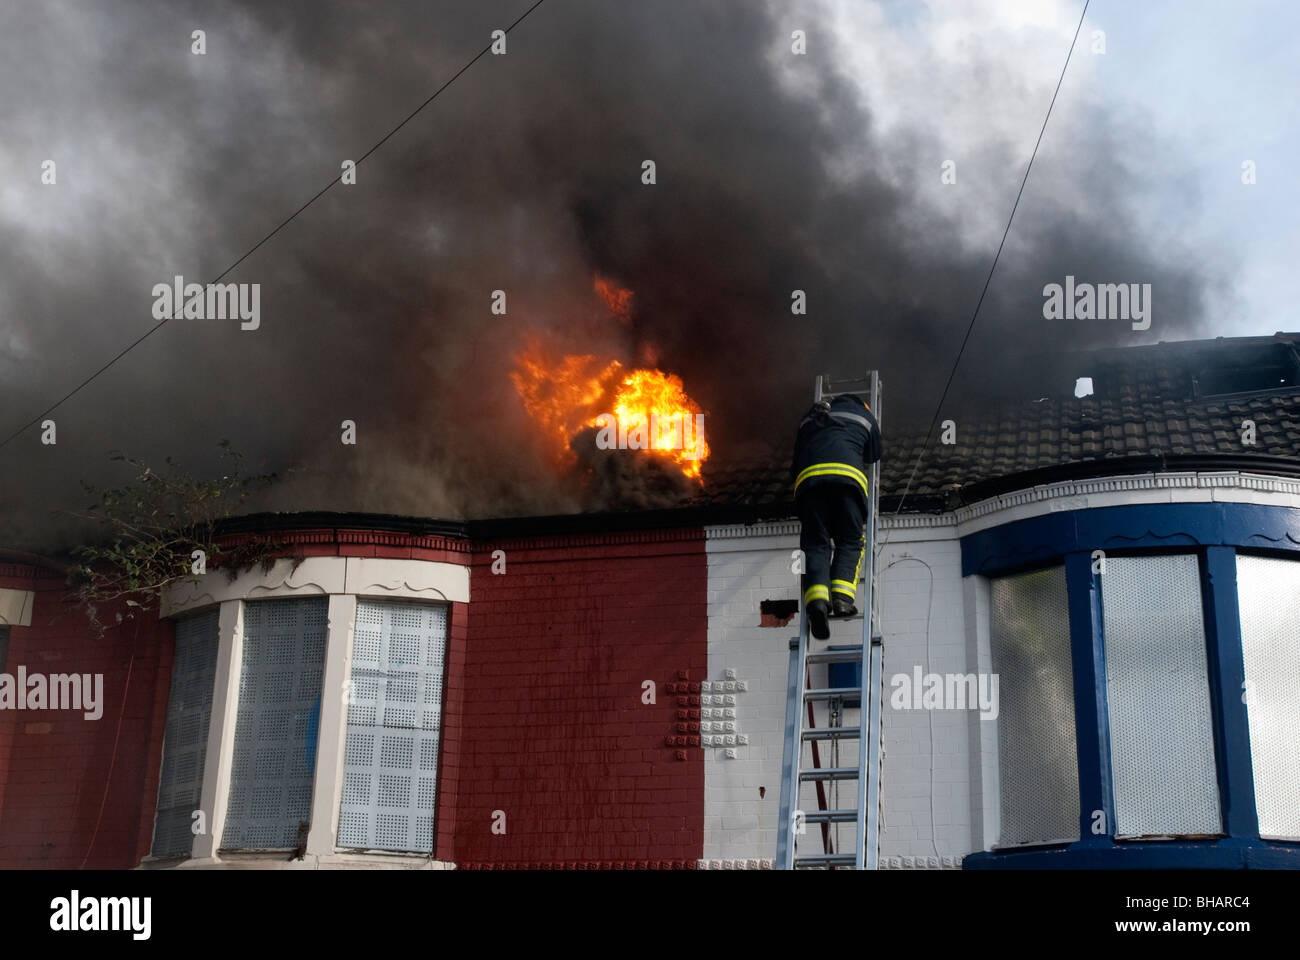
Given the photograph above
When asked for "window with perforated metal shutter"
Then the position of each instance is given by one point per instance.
(185, 743)
(394, 714)
(1029, 640)
(1158, 698)
(274, 754)
(1268, 592)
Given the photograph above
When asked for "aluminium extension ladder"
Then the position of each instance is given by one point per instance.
(801, 697)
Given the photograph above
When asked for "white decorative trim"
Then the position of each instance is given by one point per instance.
(921, 863)
(215, 792)
(1225, 486)
(886, 863)
(904, 521)
(983, 763)
(319, 576)
(767, 528)
(327, 785)
(1220, 486)
(16, 607)
(277, 861)
(406, 579)
(750, 864)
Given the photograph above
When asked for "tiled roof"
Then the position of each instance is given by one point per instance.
(1154, 407)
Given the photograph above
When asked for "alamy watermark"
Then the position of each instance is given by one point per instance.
(677, 431)
(1102, 301)
(216, 301)
(76, 913)
(945, 691)
(58, 691)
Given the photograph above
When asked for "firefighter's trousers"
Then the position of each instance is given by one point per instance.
(831, 512)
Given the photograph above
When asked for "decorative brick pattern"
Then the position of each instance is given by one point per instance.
(750, 864)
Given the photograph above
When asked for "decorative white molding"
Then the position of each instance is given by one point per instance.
(277, 861)
(921, 863)
(406, 579)
(905, 521)
(215, 792)
(322, 576)
(1225, 486)
(327, 785)
(886, 863)
(16, 607)
(750, 864)
(767, 528)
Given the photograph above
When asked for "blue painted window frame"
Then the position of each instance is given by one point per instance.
(1214, 532)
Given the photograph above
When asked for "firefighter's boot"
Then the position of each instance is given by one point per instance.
(818, 619)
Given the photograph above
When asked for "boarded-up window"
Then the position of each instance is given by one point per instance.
(1038, 764)
(1268, 591)
(274, 755)
(1158, 698)
(185, 744)
(394, 714)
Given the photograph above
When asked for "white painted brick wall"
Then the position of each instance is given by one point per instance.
(927, 808)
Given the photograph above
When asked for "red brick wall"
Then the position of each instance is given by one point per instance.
(451, 735)
(553, 730)
(543, 712)
(73, 790)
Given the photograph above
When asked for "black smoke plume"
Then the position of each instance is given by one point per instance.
(523, 176)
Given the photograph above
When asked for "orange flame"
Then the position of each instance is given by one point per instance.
(640, 408)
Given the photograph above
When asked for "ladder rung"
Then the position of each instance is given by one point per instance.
(833, 693)
(831, 733)
(829, 773)
(825, 860)
(837, 656)
(830, 816)
(835, 619)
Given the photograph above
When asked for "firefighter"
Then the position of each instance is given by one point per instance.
(837, 440)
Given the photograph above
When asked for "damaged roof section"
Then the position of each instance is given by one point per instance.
(1152, 408)
(1189, 405)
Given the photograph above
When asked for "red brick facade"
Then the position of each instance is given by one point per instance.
(77, 792)
(554, 733)
(543, 713)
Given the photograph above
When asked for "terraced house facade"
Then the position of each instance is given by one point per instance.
(608, 691)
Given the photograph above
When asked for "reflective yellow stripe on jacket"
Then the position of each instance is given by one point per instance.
(832, 470)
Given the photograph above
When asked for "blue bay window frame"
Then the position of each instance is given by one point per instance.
(1214, 532)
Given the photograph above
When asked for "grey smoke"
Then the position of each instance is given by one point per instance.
(523, 176)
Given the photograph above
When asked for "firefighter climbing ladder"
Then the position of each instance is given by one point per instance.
(799, 709)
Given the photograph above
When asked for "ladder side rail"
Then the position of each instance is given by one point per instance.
(871, 859)
(866, 837)
(793, 751)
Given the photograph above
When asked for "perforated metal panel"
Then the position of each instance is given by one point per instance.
(1038, 765)
(1158, 697)
(394, 715)
(185, 742)
(275, 730)
(1268, 592)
